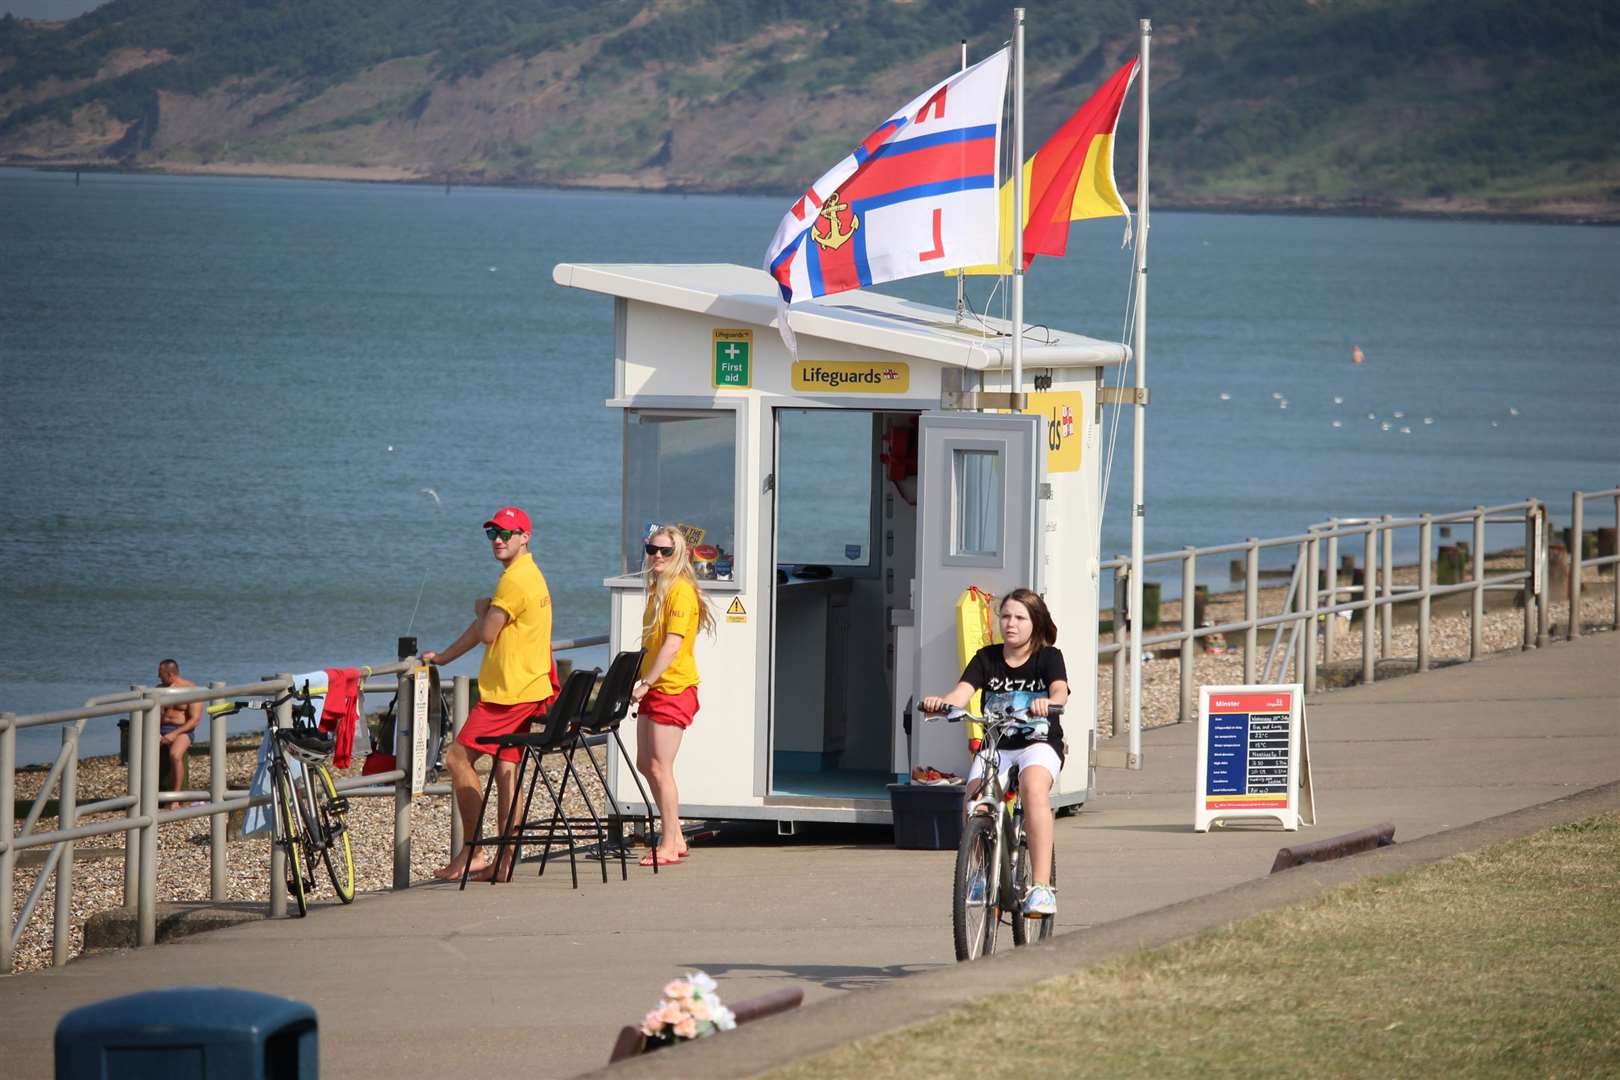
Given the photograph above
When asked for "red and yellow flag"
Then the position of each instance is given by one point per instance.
(1071, 178)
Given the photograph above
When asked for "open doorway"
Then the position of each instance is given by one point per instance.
(845, 555)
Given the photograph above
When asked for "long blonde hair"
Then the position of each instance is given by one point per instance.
(678, 567)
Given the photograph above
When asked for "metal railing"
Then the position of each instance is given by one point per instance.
(1317, 595)
(1577, 549)
(142, 817)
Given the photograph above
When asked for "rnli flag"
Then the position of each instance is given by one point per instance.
(1071, 178)
(918, 195)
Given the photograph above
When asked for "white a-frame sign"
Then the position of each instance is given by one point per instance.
(1254, 756)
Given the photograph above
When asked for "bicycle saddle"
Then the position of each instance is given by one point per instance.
(308, 746)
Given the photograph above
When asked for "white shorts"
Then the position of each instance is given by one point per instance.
(1039, 753)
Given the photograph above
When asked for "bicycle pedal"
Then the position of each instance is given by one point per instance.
(340, 805)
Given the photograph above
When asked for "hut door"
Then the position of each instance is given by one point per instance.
(979, 480)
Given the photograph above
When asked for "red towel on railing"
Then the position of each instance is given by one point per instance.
(340, 711)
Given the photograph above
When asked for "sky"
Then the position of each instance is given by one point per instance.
(48, 9)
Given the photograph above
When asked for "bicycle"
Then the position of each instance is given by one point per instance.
(441, 726)
(309, 818)
(992, 861)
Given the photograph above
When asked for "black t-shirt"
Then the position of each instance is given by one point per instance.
(1016, 687)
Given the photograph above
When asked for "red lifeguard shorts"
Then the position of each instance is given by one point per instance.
(676, 710)
(489, 719)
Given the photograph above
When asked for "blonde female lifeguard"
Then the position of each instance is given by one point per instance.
(667, 690)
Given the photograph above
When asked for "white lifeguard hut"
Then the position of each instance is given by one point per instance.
(844, 500)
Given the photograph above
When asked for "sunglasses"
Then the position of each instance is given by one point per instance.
(665, 550)
(501, 534)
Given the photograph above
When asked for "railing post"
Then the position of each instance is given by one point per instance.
(67, 816)
(1544, 598)
(1386, 576)
(1369, 614)
(404, 748)
(8, 829)
(1117, 706)
(217, 823)
(1476, 643)
(132, 840)
(151, 761)
(1425, 584)
(1330, 628)
(1189, 591)
(1616, 572)
(1251, 607)
(1529, 592)
(460, 703)
(1577, 514)
(1307, 656)
(278, 856)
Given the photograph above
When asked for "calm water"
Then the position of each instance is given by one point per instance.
(224, 397)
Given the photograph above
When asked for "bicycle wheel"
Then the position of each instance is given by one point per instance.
(289, 836)
(334, 825)
(974, 914)
(1022, 926)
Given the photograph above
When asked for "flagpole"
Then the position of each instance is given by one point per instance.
(1018, 212)
(961, 278)
(1138, 428)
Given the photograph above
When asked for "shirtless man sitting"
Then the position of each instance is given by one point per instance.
(177, 724)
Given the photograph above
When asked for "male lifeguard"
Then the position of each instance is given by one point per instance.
(514, 680)
(176, 723)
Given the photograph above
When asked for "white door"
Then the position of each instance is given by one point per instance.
(978, 507)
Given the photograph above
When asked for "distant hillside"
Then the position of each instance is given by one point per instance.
(1479, 106)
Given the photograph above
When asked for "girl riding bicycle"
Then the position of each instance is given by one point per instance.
(1025, 671)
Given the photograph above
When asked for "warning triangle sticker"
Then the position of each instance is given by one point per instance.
(736, 607)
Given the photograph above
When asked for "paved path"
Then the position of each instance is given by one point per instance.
(536, 978)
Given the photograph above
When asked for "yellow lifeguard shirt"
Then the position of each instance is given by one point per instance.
(517, 664)
(680, 617)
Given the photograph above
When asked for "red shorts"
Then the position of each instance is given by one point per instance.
(488, 719)
(676, 710)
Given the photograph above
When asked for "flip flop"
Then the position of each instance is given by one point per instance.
(647, 860)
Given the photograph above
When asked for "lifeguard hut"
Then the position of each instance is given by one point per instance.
(843, 501)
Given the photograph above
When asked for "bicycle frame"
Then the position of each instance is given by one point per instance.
(995, 800)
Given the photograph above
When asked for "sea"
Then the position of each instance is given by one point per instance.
(254, 424)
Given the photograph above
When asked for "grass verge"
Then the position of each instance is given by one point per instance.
(1499, 963)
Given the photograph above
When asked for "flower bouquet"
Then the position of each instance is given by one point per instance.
(690, 1010)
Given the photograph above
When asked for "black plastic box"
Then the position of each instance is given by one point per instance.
(927, 816)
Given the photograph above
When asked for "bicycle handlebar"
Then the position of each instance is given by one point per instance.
(955, 714)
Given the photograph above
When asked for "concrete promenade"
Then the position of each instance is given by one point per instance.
(536, 977)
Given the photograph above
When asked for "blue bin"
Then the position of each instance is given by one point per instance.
(189, 1033)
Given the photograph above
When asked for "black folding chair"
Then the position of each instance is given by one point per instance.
(599, 727)
(556, 734)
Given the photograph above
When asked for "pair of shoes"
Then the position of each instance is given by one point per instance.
(1040, 902)
(976, 889)
(927, 774)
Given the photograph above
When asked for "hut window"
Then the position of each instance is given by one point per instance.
(680, 468)
(976, 503)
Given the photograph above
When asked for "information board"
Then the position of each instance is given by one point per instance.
(1254, 756)
(419, 731)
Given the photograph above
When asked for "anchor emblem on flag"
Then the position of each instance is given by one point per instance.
(837, 232)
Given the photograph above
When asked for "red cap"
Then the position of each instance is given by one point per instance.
(510, 517)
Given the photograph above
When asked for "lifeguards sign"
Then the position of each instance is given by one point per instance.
(1254, 756)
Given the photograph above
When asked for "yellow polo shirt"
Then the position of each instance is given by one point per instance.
(517, 664)
(680, 617)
